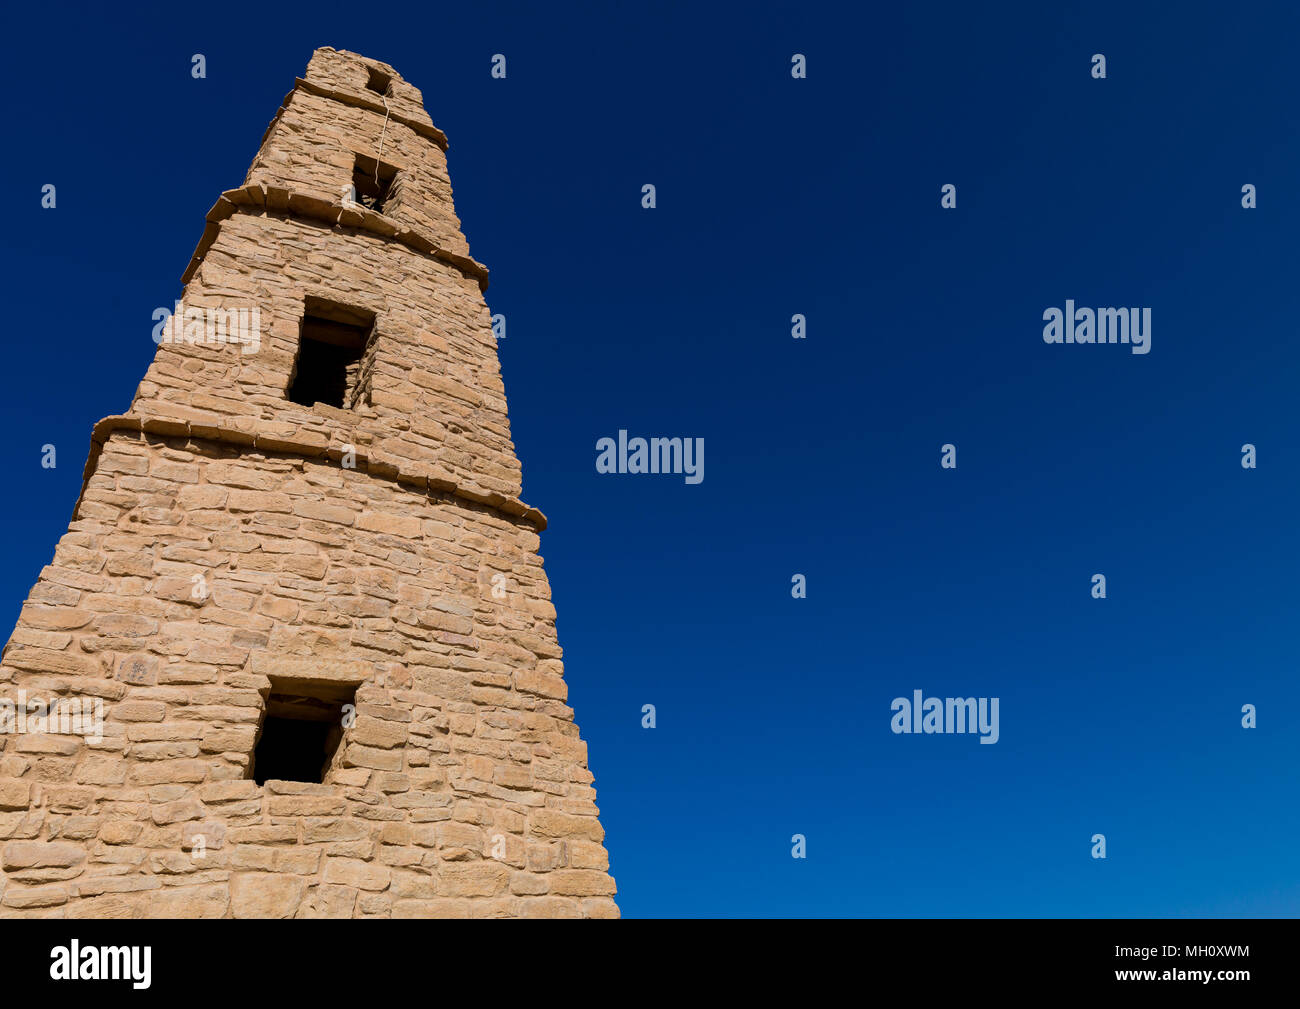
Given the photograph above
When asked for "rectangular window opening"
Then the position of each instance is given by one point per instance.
(301, 731)
(378, 81)
(372, 181)
(331, 347)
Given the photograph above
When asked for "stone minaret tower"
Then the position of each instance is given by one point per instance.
(297, 641)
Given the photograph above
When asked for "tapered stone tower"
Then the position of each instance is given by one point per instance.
(296, 654)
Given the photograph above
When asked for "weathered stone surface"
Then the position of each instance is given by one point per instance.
(233, 548)
(15, 793)
(581, 883)
(266, 895)
(474, 879)
(37, 855)
(212, 901)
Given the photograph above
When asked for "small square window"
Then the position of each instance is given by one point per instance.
(331, 363)
(378, 81)
(301, 731)
(372, 182)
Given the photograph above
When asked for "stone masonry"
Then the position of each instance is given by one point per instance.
(235, 555)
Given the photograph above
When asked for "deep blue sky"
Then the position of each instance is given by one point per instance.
(818, 196)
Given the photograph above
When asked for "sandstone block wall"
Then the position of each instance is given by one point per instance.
(312, 145)
(435, 400)
(231, 547)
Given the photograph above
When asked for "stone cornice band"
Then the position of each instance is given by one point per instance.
(259, 198)
(390, 467)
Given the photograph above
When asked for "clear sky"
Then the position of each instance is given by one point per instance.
(818, 196)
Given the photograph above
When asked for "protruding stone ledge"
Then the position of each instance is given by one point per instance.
(302, 669)
(423, 478)
(259, 197)
(360, 101)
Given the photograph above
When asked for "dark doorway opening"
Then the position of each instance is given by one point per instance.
(372, 181)
(300, 733)
(331, 346)
(378, 81)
